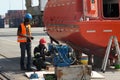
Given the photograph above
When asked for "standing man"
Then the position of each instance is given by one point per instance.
(24, 38)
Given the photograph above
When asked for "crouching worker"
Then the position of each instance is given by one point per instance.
(39, 55)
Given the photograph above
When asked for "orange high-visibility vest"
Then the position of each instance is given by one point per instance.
(24, 32)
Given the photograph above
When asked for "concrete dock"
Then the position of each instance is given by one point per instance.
(10, 55)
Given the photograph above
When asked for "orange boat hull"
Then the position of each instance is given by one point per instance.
(86, 36)
(63, 21)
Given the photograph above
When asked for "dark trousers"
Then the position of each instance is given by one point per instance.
(25, 46)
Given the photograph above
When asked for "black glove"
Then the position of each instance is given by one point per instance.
(32, 38)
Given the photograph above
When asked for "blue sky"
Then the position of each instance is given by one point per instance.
(6, 5)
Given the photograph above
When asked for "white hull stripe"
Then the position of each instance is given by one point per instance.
(107, 30)
(91, 31)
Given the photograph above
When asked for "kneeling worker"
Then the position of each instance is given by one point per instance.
(39, 54)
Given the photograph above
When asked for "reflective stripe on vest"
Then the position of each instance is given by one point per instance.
(23, 32)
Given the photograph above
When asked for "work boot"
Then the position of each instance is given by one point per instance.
(30, 69)
(23, 68)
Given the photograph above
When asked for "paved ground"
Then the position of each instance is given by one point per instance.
(10, 52)
(10, 55)
(110, 74)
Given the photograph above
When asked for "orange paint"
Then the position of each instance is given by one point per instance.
(84, 26)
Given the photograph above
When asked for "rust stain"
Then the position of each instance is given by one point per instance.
(59, 74)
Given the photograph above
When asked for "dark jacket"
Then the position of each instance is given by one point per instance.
(40, 51)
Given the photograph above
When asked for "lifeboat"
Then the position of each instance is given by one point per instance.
(85, 25)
